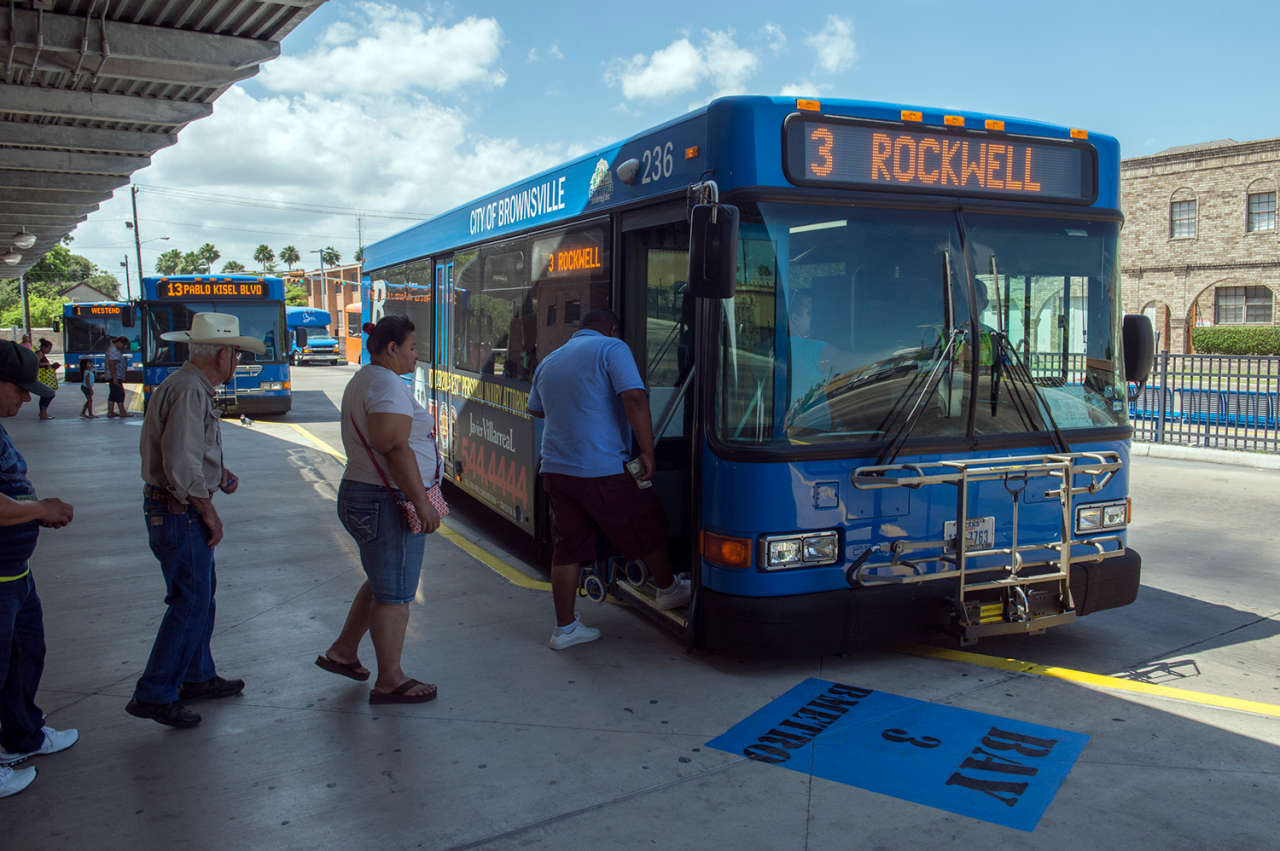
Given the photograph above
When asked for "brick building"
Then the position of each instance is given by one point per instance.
(1200, 244)
(338, 287)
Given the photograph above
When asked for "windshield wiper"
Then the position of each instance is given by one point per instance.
(1018, 371)
(891, 451)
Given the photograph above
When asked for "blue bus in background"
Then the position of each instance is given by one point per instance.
(900, 414)
(319, 346)
(262, 384)
(87, 331)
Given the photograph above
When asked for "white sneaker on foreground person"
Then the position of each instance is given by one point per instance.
(13, 781)
(575, 634)
(54, 741)
(676, 595)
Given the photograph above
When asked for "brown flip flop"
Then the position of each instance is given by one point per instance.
(341, 669)
(399, 696)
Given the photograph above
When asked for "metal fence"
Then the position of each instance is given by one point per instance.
(1217, 401)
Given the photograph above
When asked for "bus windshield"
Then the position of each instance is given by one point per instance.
(264, 321)
(850, 322)
(94, 334)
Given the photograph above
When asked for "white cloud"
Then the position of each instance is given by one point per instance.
(533, 55)
(774, 35)
(388, 50)
(834, 45)
(555, 51)
(681, 67)
(800, 89)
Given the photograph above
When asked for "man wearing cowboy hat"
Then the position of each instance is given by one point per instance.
(22, 730)
(182, 467)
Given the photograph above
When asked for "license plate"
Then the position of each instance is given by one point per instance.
(979, 532)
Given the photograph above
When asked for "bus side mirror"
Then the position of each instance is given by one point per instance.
(127, 316)
(57, 327)
(713, 251)
(300, 335)
(1139, 341)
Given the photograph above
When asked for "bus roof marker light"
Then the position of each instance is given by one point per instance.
(993, 124)
(953, 120)
(808, 105)
(910, 115)
(1079, 134)
(690, 153)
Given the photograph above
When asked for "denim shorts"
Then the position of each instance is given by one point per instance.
(390, 553)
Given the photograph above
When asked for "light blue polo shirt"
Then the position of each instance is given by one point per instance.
(577, 387)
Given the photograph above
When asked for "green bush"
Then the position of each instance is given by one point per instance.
(1236, 341)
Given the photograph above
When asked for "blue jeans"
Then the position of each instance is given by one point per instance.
(181, 653)
(390, 554)
(21, 664)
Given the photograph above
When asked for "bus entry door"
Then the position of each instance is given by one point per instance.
(443, 408)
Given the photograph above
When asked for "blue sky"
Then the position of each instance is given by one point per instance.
(413, 108)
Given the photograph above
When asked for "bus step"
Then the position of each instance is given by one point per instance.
(642, 600)
(969, 633)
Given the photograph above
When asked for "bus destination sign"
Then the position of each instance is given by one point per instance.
(211, 288)
(571, 256)
(939, 162)
(96, 310)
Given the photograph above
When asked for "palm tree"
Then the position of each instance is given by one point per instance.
(359, 258)
(331, 256)
(169, 262)
(289, 255)
(208, 254)
(232, 266)
(264, 255)
(191, 263)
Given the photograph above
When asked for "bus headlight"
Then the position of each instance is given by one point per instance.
(815, 550)
(1099, 518)
(272, 385)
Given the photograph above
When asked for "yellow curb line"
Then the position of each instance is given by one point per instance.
(486, 558)
(135, 404)
(1097, 680)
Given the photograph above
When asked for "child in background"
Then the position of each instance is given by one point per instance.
(86, 387)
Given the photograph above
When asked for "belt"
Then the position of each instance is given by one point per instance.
(153, 492)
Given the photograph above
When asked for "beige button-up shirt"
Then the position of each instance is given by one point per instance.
(181, 437)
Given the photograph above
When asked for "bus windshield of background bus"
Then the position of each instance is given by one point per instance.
(264, 321)
(94, 335)
(847, 320)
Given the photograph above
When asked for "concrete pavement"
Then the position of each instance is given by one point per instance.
(601, 746)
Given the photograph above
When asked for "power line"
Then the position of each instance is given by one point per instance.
(245, 230)
(242, 201)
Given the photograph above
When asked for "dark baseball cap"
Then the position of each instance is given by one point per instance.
(20, 366)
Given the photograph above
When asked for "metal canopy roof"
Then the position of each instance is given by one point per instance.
(91, 89)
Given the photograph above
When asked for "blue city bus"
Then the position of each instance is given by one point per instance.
(317, 345)
(903, 414)
(87, 331)
(262, 384)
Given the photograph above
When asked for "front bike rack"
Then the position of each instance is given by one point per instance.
(1017, 596)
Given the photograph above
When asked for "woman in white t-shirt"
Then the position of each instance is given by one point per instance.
(385, 432)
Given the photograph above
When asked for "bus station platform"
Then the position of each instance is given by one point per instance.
(605, 745)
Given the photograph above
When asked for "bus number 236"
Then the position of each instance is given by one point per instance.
(657, 163)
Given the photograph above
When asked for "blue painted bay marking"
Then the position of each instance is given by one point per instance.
(982, 766)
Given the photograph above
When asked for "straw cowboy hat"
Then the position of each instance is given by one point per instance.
(216, 329)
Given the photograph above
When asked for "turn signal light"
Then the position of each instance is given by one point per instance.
(726, 551)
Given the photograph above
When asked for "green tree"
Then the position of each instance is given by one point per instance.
(331, 256)
(232, 266)
(289, 255)
(105, 283)
(208, 255)
(295, 295)
(169, 262)
(192, 264)
(52, 268)
(359, 258)
(264, 255)
(45, 311)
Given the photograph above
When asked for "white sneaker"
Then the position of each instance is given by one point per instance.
(676, 595)
(13, 781)
(580, 635)
(54, 741)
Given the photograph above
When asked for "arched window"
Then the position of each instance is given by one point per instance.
(1182, 214)
(1262, 205)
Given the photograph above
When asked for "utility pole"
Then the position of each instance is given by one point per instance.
(125, 264)
(26, 306)
(137, 241)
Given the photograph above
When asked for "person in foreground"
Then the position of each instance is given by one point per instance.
(589, 390)
(182, 467)
(385, 433)
(22, 731)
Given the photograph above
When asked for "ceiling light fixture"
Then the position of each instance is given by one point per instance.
(11, 258)
(22, 239)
